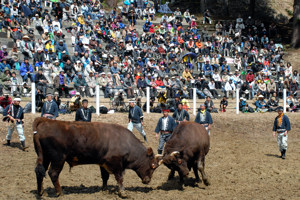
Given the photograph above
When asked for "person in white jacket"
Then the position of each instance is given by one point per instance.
(230, 89)
(91, 82)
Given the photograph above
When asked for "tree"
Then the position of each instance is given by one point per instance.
(296, 25)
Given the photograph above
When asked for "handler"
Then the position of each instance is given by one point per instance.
(135, 117)
(165, 126)
(180, 114)
(84, 114)
(14, 114)
(203, 117)
(281, 126)
(50, 108)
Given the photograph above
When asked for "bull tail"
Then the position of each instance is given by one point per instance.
(39, 169)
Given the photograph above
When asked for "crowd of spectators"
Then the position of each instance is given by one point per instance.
(72, 46)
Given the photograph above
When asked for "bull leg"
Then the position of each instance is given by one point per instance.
(201, 165)
(105, 176)
(40, 176)
(119, 178)
(54, 172)
(171, 175)
(195, 169)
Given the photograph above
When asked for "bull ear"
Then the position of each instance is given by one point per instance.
(149, 151)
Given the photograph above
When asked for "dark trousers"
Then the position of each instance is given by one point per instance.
(162, 140)
(62, 89)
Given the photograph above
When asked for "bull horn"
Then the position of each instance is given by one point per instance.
(160, 162)
(174, 153)
(158, 156)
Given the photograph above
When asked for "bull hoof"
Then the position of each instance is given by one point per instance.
(206, 182)
(58, 194)
(197, 180)
(123, 195)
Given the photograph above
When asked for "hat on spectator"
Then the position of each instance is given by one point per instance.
(77, 93)
(55, 93)
(61, 70)
(90, 72)
(56, 61)
(36, 15)
(61, 40)
(148, 74)
(17, 99)
(103, 73)
(39, 49)
(49, 94)
(121, 41)
(261, 96)
(246, 91)
(173, 77)
(78, 61)
(139, 57)
(166, 76)
(79, 73)
(280, 108)
(4, 47)
(25, 37)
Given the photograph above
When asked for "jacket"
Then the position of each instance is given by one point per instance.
(207, 118)
(284, 126)
(56, 81)
(170, 125)
(135, 114)
(23, 69)
(50, 108)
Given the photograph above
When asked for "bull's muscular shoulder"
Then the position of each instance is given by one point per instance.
(188, 127)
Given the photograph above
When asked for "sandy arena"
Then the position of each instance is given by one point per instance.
(242, 164)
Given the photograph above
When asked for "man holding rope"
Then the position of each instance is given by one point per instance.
(14, 114)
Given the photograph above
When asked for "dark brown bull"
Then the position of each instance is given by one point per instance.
(112, 147)
(187, 149)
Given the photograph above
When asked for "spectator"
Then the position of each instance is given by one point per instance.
(223, 104)
(229, 89)
(60, 84)
(26, 71)
(80, 84)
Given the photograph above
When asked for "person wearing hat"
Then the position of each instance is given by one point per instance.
(187, 16)
(281, 126)
(56, 98)
(136, 117)
(203, 117)
(26, 46)
(75, 102)
(261, 104)
(5, 79)
(50, 108)
(180, 115)
(165, 127)
(61, 47)
(84, 114)
(80, 84)
(60, 84)
(14, 114)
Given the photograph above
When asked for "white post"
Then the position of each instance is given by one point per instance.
(284, 100)
(33, 98)
(148, 99)
(237, 96)
(194, 101)
(97, 100)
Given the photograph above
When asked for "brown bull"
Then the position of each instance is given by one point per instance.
(187, 149)
(112, 147)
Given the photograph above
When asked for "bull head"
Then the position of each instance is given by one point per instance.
(159, 159)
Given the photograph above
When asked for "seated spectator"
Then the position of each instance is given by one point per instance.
(244, 106)
(60, 84)
(75, 102)
(212, 88)
(223, 104)
(206, 17)
(41, 81)
(272, 104)
(229, 89)
(209, 105)
(128, 86)
(91, 83)
(80, 84)
(39, 100)
(261, 105)
(26, 70)
(56, 98)
(142, 85)
(5, 101)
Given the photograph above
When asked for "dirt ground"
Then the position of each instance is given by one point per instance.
(242, 164)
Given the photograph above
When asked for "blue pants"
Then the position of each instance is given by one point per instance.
(31, 76)
(162, 140)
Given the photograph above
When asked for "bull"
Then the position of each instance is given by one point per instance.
(112, 147)
(186, 149)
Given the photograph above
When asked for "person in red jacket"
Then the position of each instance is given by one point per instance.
(250, 77)
(5, 100)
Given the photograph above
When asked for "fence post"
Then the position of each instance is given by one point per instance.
(33, 98)
(97, 100)
(237, 97)
(148, 99)
(284, 100)
(194, 101)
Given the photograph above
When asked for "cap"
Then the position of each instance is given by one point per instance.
(49, 94)
(55, 93)
(280, 108)
(261, 96)
(131, 101)
(4, 47)
(56, 61)
(166, 110)
(77, 93)
(103, 73)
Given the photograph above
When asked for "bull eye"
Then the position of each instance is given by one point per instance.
(179, 161)
(153, 166)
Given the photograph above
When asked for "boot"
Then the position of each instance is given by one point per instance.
(7, 143)
(23, 145)
(283, 154)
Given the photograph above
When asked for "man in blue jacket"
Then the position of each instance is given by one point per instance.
(26, 70)
(281, 126)
(203, 117)
(165, 127)
(50, 108)
(136, 117)
(13, 114)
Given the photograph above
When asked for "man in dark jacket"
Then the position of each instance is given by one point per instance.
(203, 117)
(84, 114)
(282, 126)
(180, 115)
(41, 81)
(165, 127)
